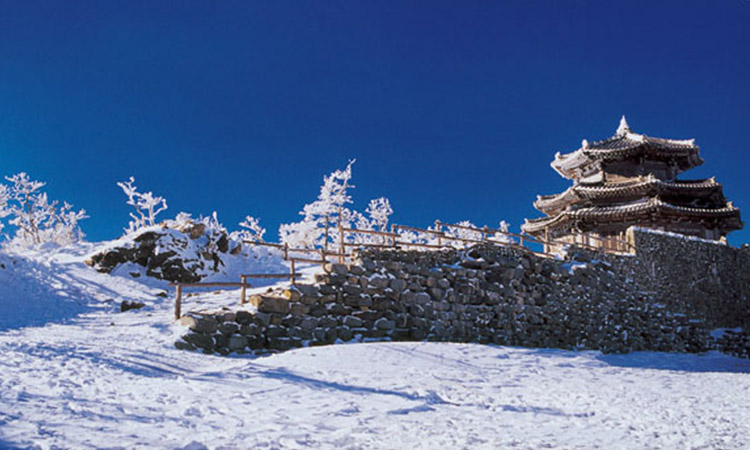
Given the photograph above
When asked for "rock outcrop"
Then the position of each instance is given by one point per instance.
(185, 256)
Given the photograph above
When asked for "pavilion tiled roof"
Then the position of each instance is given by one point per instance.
(634, 211)
(642, 186)
(625, 144)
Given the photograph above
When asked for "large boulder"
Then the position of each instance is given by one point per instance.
(177, 255)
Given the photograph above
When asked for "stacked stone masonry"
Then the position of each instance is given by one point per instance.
(490, 294)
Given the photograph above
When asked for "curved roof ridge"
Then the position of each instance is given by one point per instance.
(651, 205)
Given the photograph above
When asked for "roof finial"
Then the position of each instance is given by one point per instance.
(623, 128)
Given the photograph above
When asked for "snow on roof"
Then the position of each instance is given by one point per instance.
(637, 186)
(633, 210)
(678, 235)
(623, 127)
(626, 143)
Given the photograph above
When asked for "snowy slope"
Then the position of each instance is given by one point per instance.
(102, 379)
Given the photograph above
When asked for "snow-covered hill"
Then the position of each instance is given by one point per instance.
(76, 374)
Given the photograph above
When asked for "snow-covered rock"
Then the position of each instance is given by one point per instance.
(186, 255)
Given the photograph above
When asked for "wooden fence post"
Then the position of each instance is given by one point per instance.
(293, 271)
(286, 251)
(178, 302)
(325, 243)
(243, 291)
(342, 249)
(438, 228)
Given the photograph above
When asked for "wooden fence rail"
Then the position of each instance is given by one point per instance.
(243, 285)
(485, 234)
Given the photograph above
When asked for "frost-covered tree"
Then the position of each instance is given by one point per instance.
(322, 217)
(501, 237)
(326, 212)
(147, 206)
(4, 197)
(379, 210)
(252, 231)
(36, 218)
(462, 233)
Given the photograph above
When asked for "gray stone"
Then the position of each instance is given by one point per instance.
(379, 282)
(385, 324)
(352, 322)
(308, 289)
(243, 317)
(199, 340)
(237, 342)
(228, 328)
(308, 323)
(188, 321)
(205, 325)
(273, 305)
(299, 309)
(398, 285)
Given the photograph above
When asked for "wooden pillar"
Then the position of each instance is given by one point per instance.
(286, 251)
(325, 243)
(438, 228)
(178, 302)
(342, 249)
(293, 272)
(243, 289)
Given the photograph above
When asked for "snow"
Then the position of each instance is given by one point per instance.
(679, 236)
(623, 127)
(94, 378)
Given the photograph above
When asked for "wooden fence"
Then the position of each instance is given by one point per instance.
(438, 238)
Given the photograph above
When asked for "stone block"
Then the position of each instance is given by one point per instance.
(200, 340)
(237, 342)
(299, 309)
(243, 317)
(356, 270)
(292, 294)
(385, 324)
(228, 328)
(273, 305)
(205, 325)
(250, 329)
(344, 333)
(398, 285)
(308, 289)
(276, 331)
(352, 322)
(308, 323)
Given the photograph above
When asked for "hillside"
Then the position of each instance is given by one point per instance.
(77, 373)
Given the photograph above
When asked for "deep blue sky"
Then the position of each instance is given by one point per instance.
(453, 110)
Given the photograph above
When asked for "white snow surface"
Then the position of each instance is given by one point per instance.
(76, 374)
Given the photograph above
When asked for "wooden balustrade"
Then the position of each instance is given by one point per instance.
(486, 235)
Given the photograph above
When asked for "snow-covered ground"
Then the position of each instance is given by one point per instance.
(77, 374)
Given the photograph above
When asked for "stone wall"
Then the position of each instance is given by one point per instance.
(487, 295)
(691, 276)
(666, 297)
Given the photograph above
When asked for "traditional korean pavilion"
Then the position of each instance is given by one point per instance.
(631, 179)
